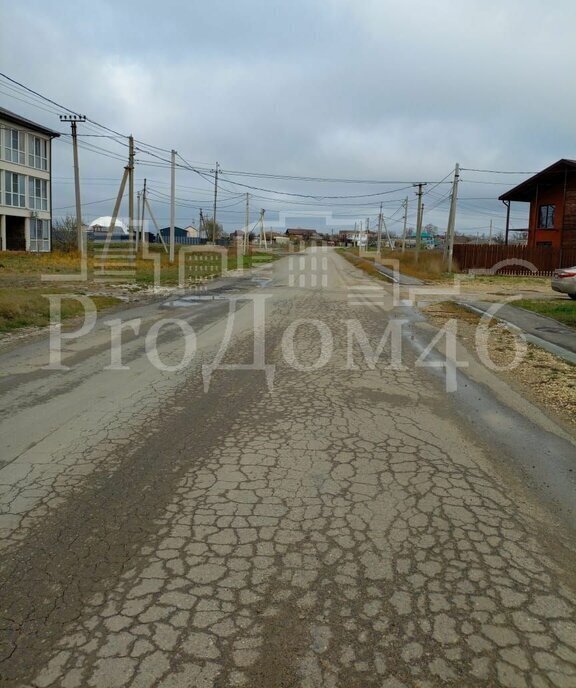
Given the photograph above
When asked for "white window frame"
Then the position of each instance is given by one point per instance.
(10, 193)
(37, 193)
(39, 235)
(37, 160)
(11, 154)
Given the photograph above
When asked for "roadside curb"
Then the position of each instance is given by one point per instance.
(552, 348)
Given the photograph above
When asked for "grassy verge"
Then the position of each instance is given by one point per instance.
(429, 266)
(22, 295)
(30, 307)
(563, 311)
(23, 269)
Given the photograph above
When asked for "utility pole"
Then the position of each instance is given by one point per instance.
(172, 203)
(405, 224)
(379, 236)
(262, 232)
(451, 230)
(143, 235)
(215, 201)
(246, 224)
(490, 234)
(74, 119)
(131, 189)
(138, 211)
(419, 219)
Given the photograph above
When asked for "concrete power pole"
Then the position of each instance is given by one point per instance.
(379, 235)
(490, 234)
(262, 231)
(74, 119)
(172, 204)
(405, 224)
(419, 220)
(142, 232)
(131, 189)
(138, 212)
(215, 202)
(451, 230)
(247, 223)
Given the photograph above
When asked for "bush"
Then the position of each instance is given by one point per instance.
(64, 238)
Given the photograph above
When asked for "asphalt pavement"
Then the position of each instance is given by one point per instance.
(286, 509)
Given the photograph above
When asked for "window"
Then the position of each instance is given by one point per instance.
(546, 216)
(15, 189)
(37, 152)
(14, 146)
(37, 193)
(543, 244)
(39, 235)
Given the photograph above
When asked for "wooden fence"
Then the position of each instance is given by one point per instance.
(512, 260)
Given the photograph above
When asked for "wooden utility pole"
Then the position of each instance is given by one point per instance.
(215, 203)
(419, 219)
(379, 236)
(450, 232)
(74, 119)
(131, 189)
(405, 224)
(172, 203)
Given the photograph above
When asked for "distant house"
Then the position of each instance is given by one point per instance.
(179, 233)
(192, 232)
(552, 197)
(100, 226)
(301, 234)
(25, 184)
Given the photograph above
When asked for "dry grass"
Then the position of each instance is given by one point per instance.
(22, 300)
(23, 269)
(543, 378)
(30, 307)
(428, 268)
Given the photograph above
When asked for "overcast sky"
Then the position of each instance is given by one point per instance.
(365, 89)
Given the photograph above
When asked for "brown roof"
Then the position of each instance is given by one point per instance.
(550, 175)
(16, 119)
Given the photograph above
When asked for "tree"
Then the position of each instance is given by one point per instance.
(64, 236)
(208, 227)
(431, 229)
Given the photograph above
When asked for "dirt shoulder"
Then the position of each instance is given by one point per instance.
(544, 379)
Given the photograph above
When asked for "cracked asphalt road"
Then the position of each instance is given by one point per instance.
(349, 528)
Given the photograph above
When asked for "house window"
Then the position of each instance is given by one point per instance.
(543, 244)
(14, 146)
(37, 152)
(546, 216)
(38, 193)
(15, 189)
(39, 235)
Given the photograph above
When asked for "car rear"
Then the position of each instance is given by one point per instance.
(564, 281)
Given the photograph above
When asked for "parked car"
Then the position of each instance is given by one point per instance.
(564, 281)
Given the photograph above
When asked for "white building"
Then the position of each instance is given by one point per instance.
(101, 225)
(25, 184)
